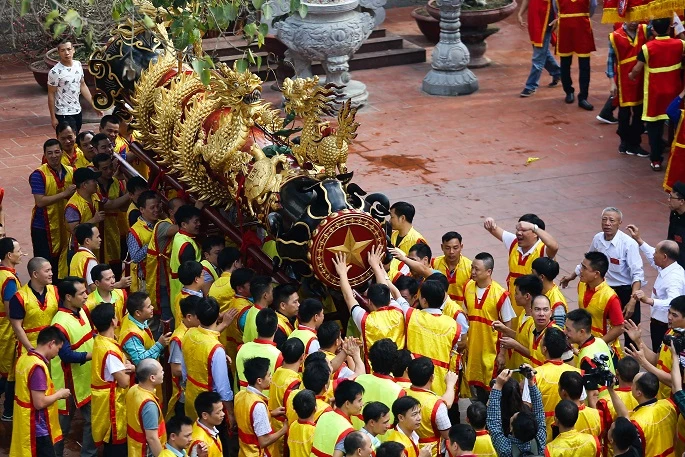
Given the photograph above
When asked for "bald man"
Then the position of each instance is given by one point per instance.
(669, 284)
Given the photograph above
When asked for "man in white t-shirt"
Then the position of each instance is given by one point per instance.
(65, 85)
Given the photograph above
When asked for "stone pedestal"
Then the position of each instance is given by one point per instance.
(450, 75)
(474, 39)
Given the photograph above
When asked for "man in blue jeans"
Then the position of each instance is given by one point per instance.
(540, 14)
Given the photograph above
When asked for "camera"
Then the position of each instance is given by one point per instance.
(599, 375)
(526, 371)
(678, 341)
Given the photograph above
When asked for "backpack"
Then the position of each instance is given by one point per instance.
(534, 450)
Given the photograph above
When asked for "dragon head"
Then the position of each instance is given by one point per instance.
(305, 97)
(239, 89)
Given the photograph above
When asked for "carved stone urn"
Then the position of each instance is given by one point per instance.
(331, 32)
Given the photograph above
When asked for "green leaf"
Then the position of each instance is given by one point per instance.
(148, 22)
(250, 56)
(242, 65)
(231, 11)
(260, 39)
(302, 10)
(25, 7)
(59, 30)
(267, 11)
(71, 17)
(263, 29)
(259, 62)
(116, 15)
(257, 4)
(250, 29)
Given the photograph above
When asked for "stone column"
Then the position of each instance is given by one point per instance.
(449, 75)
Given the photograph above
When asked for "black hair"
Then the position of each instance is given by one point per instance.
(549, 268)
(678, 305)
(82, 136)
(207, 311)
(62, 126)
(379, 295)
(145, 196)
(402, 405)
(50, 334)
(267, 323)
(598, 261)
(566, 413)
(420, 371)
(315, 376)
(185, 213)
(441, 278)
(259, 285)
(556, 343)
(205, 401)
(529, 284)
(346, 391)
(97, 270)
(315, 357)
(137, 183)
(67, 286)
(212, 241)
(450, 236)
(422, 250)
(189, 305)
(390, 449)
(227, 257)
(304, 404)
(108, 119)
(661, 26)
(648, 384)
(6, 246)
(101, 316)
(353, 441)
(255, 368)
(50, 142)
(176, 423)
(511, 403)
(625, 434)
(524, 426)
(572, 383)
(241, 276)
(477, 414)
(308, 309)
(328, 334)
(487, 259)
(189, 271)
(582, 319)
(97, 138)
(406, 283)
(533, 219)
(292, 350)
(382, 355)
(83, 232)
(402, 362)
(101, 157)
(374, 410)
(135, 302)
(463, 435)
(433, 293)
(404, 209)
(627, 368)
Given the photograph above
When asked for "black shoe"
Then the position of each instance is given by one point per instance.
(610, 119)
(638, 151)
(570, 97)
(623, 149)
(527, 92)
(585, 105)
(555, 82)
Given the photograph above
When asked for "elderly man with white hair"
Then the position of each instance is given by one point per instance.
(626, 273)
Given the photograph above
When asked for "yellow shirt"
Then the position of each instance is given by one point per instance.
(411, 238)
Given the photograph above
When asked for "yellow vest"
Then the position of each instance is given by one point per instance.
(79, 263)
(589, 421)
(117, 299)
(200, 435)
(176, 388)
(322, 406)
(331, 427)
(483, 446)
(69, 160)
(433, 337)
(300, 438)
(86, 211)
(452, 308)
(398, 436)
(283, 380)
(257, 348)
(520, 265)
(523, 335)
(245, 402)
(250, 331)
(537, 358)
(108, 401)
(482, 341)
(385, 322)
(110, 231)
(81, 161)
(547, 378)
(572, 444)
(136, 398)
(221, 290)
(626, 396)
(457, 279)
(38, 315)
(655, 423)
(304, 334)
(556, 298)
(284, 325)
(198, 349)
(8, 341)
(53, 215)
(412, 237)
(665, 363)
(142, 233)
(209, 268)
(428, 431)
(180, 240)
(156, 266)
(25, 414)
(232, 337)
(378, 387)
(130, 330)
(79, 332)
(596, 304)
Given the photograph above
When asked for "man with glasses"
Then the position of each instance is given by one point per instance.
(676, 223)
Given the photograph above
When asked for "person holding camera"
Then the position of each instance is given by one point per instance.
(669, 283)
(528, 430)
(655, 419)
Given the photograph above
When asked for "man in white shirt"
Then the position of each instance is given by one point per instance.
(65, 84)
(626, 273)
(669, 283)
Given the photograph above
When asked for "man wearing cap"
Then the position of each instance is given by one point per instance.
(676, 223)
(85, 205)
